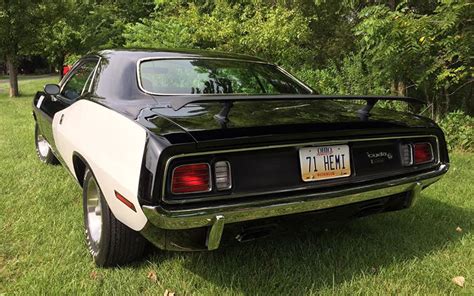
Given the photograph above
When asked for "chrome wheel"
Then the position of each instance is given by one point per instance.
(110, 242)
(43, 149)
(94, 211)
(43, 146)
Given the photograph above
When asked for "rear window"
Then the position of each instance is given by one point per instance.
(206, 76)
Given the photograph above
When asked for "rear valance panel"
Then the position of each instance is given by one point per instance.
(263, 171)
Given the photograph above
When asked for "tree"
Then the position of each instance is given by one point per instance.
(18, 34)
(55, 29)
(268, 31)
(78, 28)
(430, 52)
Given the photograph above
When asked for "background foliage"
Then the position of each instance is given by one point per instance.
(403, 47)
(459, 130)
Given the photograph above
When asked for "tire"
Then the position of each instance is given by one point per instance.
(110, 242)
(43, 149)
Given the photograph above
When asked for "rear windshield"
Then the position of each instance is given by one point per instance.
(206, 76)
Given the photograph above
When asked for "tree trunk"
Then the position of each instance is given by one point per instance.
(433, 113)
(13, 75)
(446, 101)
(5, 71)
(429, 102)
(60, 65)
(438, 105)
(469, 107)
(394, 88)
(392, 4)
(401, 89)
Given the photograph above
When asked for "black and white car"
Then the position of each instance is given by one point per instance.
(187, 148)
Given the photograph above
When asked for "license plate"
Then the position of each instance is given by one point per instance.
(325, 162)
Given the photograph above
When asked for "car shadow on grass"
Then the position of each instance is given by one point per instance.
(309, 257)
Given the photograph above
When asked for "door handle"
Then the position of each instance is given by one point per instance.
(61, 118)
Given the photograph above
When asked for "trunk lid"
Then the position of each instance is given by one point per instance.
(285, 121)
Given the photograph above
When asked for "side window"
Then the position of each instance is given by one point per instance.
(75, 86)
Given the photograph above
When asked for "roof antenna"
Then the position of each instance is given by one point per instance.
(223, 116)
(364, 112)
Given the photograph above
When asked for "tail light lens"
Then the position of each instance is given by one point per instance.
(406, 154)
(223, 177)
(191, 178)
(422, 153)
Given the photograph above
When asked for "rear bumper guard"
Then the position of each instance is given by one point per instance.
(216, 217)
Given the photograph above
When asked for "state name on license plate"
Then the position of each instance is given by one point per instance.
(325, 162)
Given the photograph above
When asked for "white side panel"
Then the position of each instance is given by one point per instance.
(113, 146)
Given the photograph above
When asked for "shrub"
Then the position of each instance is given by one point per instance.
(459, 130)
(345, 77)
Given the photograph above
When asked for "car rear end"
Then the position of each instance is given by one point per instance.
(200, 193)
(234, 140)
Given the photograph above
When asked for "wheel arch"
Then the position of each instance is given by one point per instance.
(80, 165)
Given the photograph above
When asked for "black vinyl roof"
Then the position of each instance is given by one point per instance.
(140, 53)
(116, 84)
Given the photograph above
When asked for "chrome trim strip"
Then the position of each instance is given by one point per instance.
(69, 75)
(94, 75)
(139, 79)
(296, 79)
(304, 144)
(78, 63)
(205, 216)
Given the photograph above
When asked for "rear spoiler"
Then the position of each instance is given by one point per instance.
(179, 102)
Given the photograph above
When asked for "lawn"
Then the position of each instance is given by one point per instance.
(416, 251)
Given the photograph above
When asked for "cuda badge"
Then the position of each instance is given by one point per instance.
(379, 157)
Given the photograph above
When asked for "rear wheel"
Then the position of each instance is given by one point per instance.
(43, 149)
(109, 241)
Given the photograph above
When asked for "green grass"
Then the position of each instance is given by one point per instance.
(22, 77)
(416, 251)
(25, 81)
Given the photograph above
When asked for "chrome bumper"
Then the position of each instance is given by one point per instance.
(216, 217)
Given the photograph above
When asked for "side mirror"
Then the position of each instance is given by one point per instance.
(51, 89)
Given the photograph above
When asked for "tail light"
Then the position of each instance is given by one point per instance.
(416, 153)
(422, 153)
(406, 154)
(191, 178)
(223, 177)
